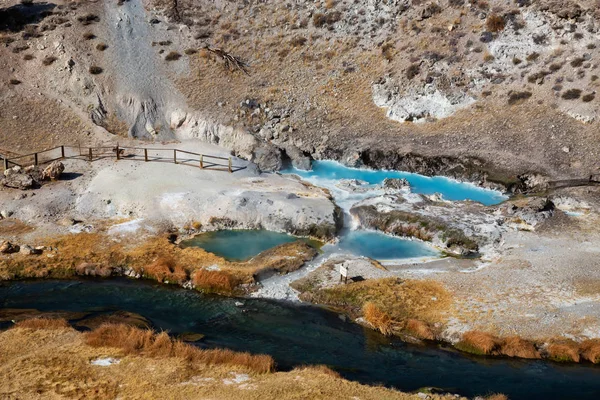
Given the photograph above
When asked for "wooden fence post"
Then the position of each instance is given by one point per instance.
(35, 159)
(201, 161)
(175, 156)
(5, 164)
(230, 170)
(118, 156)
(146, 155)
(91, 154)
(62, 152)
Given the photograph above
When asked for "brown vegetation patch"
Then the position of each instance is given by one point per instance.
(379, 319)
(400, 300)
(419, 329)
(516, 347)
(564, 351)
(43, 323)
(478, 342)
(172, 56)
(95, 70)
(133, 340)
(215, 281)
(49, 60)
(101, 46)
(590, 350)
(495, 23)
(165, 269)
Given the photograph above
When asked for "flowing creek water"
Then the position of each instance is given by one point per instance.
(296, 335)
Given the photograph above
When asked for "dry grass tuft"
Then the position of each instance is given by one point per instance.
(215, 281)
(172, 56)
(377, 318)
(165, 269)
(478, 342)
(132, 340)
(496, 396)
(590, 350)
(43, 323)
(322, 369)
(49, 60)
(565, 351)
(419, 329)
(95, 70)
(495, 23)
(517, 347)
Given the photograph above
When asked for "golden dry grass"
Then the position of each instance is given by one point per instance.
(424, 300)
(42, 323)
(517, 347)
(132, 340)
(478, 342)
(47, 364)
(96, 254)
(379, 319)
(496, 396)
(215, 281)
(419, 329)
(590, 350)
(563, 351)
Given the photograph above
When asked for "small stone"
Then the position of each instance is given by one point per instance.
(566, 149)
(7, 247)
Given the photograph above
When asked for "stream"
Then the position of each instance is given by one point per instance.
(296, 335)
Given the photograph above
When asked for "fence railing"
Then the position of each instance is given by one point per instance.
(145, 154)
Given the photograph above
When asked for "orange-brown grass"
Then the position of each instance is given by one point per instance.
(43, 323)
(478, 342)
(496, 396)
(97, 254)
(133, 340)
(419, 329)
(215, 281)
(56, 364)
(165, 269)
(515, 346)
(424, 300)
(564, 351)
(379, 319)
(590, 350)
(323, 369)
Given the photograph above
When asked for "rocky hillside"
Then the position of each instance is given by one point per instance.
(476, 89)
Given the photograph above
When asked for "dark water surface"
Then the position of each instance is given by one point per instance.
(296, 335)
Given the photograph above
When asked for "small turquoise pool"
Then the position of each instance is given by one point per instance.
(238, 245)
(382, 247)
(328, 173)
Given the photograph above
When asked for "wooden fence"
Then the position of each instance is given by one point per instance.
(183, 157)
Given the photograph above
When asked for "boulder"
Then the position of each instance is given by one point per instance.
(267, 158)
(395, 183)
(18, 181)
(53, 171)
(28, 250)
(35, 172)
(7, 247)
(298, 158)
(13, 171)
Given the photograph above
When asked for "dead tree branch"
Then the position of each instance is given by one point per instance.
(232, 62)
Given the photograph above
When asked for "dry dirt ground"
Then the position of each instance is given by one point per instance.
(326, 79)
